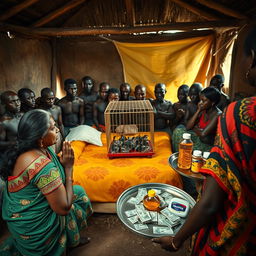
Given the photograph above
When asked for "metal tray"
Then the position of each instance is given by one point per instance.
(122, 205)
(173, 162)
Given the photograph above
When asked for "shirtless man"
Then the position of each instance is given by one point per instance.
(180, 107)
(217, 81)
(27, 99)
(47, 103)
(194, 95)
(140, 92)
(72, 106)
(163, 110)
(99, 107)
(125, 90)
(10, 120)
(89, 96)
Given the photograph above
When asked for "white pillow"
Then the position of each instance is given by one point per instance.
(85, 133)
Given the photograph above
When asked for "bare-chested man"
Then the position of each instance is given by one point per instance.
(163, 110)
(217, 81)
(10, 120)
(27, 99)
(47, 103)
(99, 107)
(125, 90)
(72, 107)
(89, 96)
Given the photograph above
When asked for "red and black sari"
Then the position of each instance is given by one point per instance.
(232, 163)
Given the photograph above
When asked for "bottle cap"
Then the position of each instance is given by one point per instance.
(151, 193)
(186, 136)
(206, 155)
(197, 153)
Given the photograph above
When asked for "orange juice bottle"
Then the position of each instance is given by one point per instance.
(151, 201)
(185, 152)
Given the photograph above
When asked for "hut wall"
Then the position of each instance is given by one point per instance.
(24, 63)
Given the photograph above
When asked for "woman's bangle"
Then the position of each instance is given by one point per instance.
(69, 179)
(173, 245)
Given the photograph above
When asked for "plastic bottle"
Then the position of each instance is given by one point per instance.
(197, 161)
(185, 152)
(205, 156)
(151, 201)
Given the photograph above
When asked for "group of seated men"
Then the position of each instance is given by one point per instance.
(88, 108)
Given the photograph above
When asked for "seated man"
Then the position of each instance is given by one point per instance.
(10, 120)
(27, 98)
(47, 103)
(194, 95)
(217, 81)
(72, 107)
(163, 110)
(125, 90)
(180, 107)
(99, 107)
(89, 96)
(140, 92)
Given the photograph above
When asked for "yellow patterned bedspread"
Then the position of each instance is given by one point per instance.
(105, 179)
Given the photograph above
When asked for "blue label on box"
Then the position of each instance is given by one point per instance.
(179, 207)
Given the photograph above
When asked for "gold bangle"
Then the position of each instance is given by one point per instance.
(69, 179)
(173, 245)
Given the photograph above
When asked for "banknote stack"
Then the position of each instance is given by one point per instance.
(164, 221)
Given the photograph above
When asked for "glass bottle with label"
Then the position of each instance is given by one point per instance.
(197, 161)
(185, 152)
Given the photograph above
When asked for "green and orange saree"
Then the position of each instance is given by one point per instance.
(35, 228)
(232, 163)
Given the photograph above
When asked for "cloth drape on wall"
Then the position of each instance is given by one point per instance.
(173, 63)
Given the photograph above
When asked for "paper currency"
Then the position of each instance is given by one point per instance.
(165, 194)
(153, 216)
(144, 215)
(170, 216)
(162, 230)
(133, 219)
(133, 200)
(130, 213)
(140, 226)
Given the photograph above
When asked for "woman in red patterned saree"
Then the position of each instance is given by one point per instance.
(224, 219)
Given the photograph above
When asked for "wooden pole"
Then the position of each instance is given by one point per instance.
(165, 13)
(53, 15)
(130, 13)
(196, 10)
(16, 9)
(51, 32)
(221, 8)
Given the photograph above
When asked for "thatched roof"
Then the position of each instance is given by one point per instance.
(94, 17)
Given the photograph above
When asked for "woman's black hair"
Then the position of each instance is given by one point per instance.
(250, 44)
(32, 127)
(212, 94)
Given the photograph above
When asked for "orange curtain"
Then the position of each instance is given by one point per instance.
(174, 63)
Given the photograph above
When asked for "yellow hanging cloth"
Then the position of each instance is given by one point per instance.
(174, 63)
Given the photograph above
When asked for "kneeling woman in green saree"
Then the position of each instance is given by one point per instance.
(43, 210)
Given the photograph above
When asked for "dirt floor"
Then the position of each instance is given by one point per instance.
(109, 237)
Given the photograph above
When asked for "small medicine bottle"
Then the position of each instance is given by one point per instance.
(151, 201)
(185, 152)
(205, 156)
(197, 161)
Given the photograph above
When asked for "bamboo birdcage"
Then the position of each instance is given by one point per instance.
(133, 113)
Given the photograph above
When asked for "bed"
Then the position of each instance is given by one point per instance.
(105, 179)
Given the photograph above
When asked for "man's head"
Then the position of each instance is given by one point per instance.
(125, 90)
(183, 93)
(103, 90)
(217, 81)
(194, 92)
(87, 84)
(47, 97)
(113, 94)
(11, 101)
(27, 97)
(140, 92)
(70, 86)
(160, 91)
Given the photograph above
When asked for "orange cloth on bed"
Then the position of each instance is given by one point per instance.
(105, 179)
